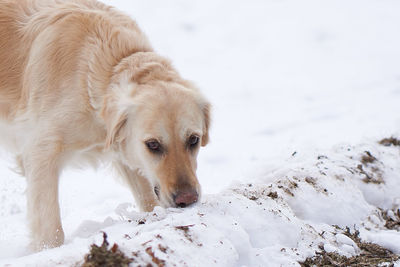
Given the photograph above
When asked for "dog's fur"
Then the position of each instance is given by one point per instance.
(80, 81)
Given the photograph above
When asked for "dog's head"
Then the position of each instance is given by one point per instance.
(158, 123)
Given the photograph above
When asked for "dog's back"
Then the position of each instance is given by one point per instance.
(12, 57)
(56, 32)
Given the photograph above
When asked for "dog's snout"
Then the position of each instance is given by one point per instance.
(185, 198)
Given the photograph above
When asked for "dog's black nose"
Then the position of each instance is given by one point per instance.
(185, 197)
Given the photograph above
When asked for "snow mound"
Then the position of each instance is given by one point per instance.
(278, 219)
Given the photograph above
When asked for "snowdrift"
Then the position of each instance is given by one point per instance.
(279, 219)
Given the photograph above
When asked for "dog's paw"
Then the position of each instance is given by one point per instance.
(48, 241)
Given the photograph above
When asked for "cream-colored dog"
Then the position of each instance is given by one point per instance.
(80, 81)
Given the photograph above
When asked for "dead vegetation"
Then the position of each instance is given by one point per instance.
(185, 229)
(311, 181)
(103, 256)
(392, 219)
(391, 141)
(373, 177)
(367, 158)
(314, 183)
(371, 255)
(273, 195)
(256, 193)
(369, 169)
(157, 261)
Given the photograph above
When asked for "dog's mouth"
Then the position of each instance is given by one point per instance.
(164, 201)
(182, 199)
(157, 191)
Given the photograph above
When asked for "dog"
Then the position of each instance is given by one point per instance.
(79, 81)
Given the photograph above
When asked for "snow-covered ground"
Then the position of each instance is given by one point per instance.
(319, 78)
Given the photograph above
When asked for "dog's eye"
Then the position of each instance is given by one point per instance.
(154, 146)
(193, 141)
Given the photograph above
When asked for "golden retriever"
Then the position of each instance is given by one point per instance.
(80, 81)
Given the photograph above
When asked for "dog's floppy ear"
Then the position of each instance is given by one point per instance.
(114, 130)
(115, 116)
(207, 122)
(117, 105)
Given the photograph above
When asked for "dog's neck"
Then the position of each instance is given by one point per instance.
(102, 62)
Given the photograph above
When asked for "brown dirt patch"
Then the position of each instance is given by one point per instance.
(391, 141)
(392, 219)
(273, 195)
(367, 158)
(157, 261)
(103, 256)
(369, 168)
(185, 229)
(371, 255)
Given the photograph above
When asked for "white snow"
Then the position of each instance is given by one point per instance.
(318, 78)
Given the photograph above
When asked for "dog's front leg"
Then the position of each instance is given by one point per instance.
(141, 188)
(41, 164)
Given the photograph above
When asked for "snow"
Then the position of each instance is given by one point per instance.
(300, 90)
